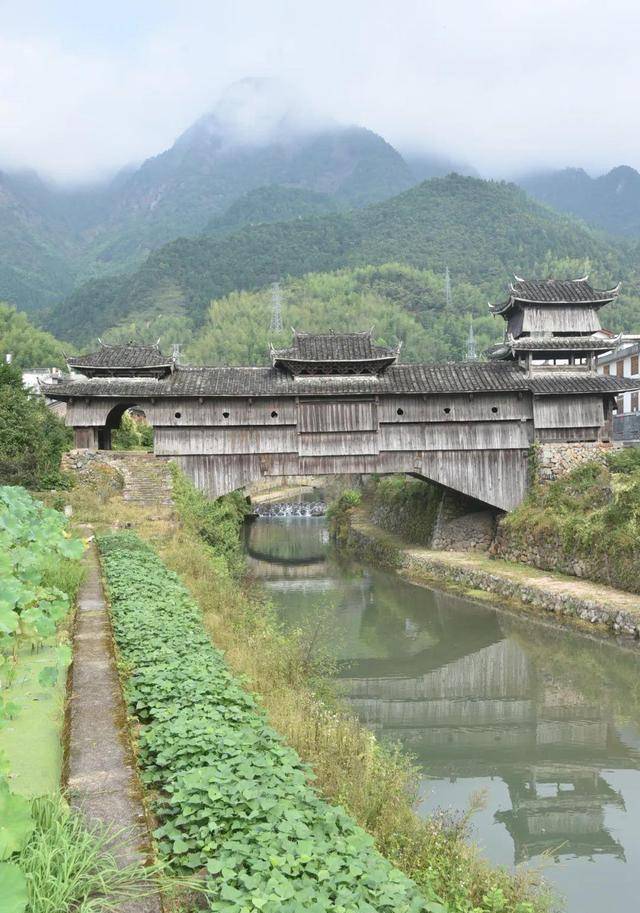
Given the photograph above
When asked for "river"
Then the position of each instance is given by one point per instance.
(544, 722)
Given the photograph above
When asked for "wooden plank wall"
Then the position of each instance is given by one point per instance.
(567, 411)
(476, 444)
(549, 319)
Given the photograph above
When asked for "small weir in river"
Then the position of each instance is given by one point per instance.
(545, 722)
(291, 509)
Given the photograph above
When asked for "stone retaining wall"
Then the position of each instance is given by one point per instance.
(591, 611)
(371, 544)
(555, 460)
(463, 523)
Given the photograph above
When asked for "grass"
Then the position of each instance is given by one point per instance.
(70, 868)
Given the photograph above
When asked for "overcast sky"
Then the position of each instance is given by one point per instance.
(87, 87)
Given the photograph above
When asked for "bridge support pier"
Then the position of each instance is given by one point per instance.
(463, 523)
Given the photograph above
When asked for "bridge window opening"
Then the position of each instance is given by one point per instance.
(494, 409)
(400, 411)
(274, 414)
(178, 414)
(225, 415)
(447, 409)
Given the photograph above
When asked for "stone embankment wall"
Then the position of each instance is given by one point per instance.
(470, 572)
(532, 593)
(552, 461)
(425, 514)
(462, 523)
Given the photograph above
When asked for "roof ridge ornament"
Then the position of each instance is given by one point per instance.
(518, 278)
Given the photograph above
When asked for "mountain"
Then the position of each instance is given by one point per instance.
(483, 230)
(611, 201)
(266, 205)
(424, 166)
(257, 136)
(35, 258)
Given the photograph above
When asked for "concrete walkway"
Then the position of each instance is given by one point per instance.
(102, 779)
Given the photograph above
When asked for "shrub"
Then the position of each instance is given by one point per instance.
(218, 523)
(132, 434)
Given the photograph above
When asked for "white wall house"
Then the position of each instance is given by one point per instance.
(623, 362)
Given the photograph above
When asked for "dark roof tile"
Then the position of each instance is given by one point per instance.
(334, 347)
(450, 377)
(113, 357)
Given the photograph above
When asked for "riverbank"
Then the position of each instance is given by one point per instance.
(577, 601)
(375, 785)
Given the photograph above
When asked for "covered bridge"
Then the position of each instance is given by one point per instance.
(338, 403)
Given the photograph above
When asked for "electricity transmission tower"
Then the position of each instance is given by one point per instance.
(447, 288)
(276, 308)
(472, 355)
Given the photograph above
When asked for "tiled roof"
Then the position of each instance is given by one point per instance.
(450, 377)
(113, 357)
(555, 291)
(562, 343)
(334, 347)
(559, 383)
(558, 291)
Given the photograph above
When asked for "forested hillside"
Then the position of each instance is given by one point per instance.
(35, 258)
(484, 231)
(29, 347)
(611, 201)
(402, 304)
(266, 205)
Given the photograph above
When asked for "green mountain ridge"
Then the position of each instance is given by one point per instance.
(483, 231)
(269, 204)
(611, 201)
(53, 238)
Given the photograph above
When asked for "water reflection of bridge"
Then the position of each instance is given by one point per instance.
(468, 697)
(275, 552)
(487, 712)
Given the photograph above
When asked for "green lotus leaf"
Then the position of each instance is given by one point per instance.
(16, 823)
(14, 896)
(48, 676)
(9, 620)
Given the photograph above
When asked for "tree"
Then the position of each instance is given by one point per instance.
(31, 348)
(32, 438)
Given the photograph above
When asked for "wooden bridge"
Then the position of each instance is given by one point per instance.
(339, 403)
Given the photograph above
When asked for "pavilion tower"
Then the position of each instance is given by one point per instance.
(554, 323)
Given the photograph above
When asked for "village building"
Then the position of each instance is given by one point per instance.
(339, 403)
(623, 362)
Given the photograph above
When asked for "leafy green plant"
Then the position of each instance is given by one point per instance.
(229, 796)
(31, 607)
